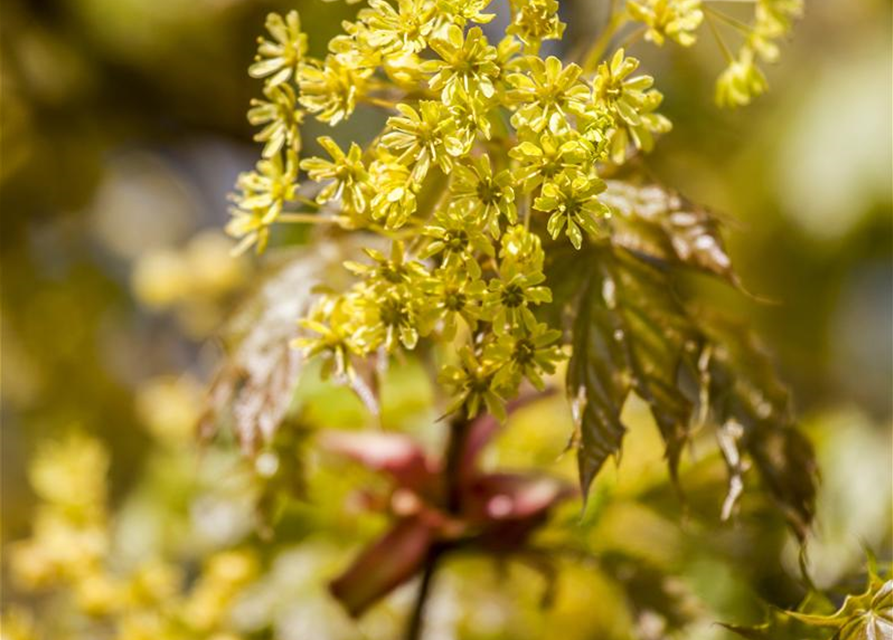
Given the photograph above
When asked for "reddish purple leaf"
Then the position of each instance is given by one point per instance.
(508, 496)
(390, 562)
(393, 453)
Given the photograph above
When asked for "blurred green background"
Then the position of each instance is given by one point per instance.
(123, 130)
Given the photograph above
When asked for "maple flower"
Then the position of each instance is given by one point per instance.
(773, 20)
(485, 196)
(404, 29)
(331, 89)
(394, 200)
(471, 386)
(392, 319)
(535, 21)
(571, 200)
(741, 81)
(466, 62)
(282, 57)
(455, 292)
(260, 199)
(332, 320)
(510, 296)
(548, 95)
(386, 306)
(386, 272)
(544, 156)
(521, 249)
(631, 102)
(346, 171)
(423, 137)
(281, 117)
(455, 237)
(471, 115)
(463, 11)
(528, 351)
(674, 19)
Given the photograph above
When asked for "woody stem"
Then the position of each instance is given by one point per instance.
(453, 461)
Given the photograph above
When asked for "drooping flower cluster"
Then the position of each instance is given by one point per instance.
(674, 19)
(489, 149)
(743, 80)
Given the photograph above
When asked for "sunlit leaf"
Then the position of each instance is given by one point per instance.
(658, 224)
(631, 333)
(867, 616)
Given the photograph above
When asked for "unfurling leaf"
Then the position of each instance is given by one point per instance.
(435, 510)
(660, 225)
(867, 616)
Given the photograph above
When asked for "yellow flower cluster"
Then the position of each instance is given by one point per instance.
(489, 151)
(71, 553)
(743, 80)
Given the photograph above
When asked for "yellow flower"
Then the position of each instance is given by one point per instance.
(395, 200)
(571, 200)
(631, 102)
(471, 385)
(549, 95)
(535, 21)
(510, 296)
(773, 20)
(463, 11)
(483, 195)
(467, 63)
(281, 118)
(544, 156)
(741, 82)
(331, 89)
(675, 19)
(528, 351)
(404, 29)
(455, 237)
(261, 197)
(345, 170)
(333, 320)
(424, 137)
(455, 292)
(280, 58)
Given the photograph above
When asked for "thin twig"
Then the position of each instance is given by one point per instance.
(417, 617)
(719, 41)
(594, 55)
(729, 20)
(304, 218)
(633, 37)
(379, 102)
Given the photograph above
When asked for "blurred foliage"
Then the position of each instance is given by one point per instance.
(122, 127)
